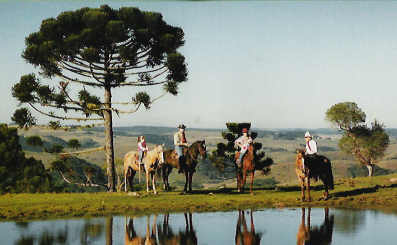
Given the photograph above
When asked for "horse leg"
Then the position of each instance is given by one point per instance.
(186, 181)
(154, 183)
(190, 180)
(131, 178)
(238, 180)
(163, 177)
(308, 189)
(244, 179)
(125, 181)
(147, 181)
(325, 194)
(252, 179)
(302, 184)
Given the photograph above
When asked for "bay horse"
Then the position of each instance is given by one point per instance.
(247, 165)
(153, 160)
(188, 163)
(316, 168)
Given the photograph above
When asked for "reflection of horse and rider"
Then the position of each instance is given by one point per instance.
(161, 233)
(317, 235)
(244, 235)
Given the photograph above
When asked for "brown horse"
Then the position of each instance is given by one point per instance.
(188, 163)
(246, 236)
(316, 168)
(247, 165)
(153, 160)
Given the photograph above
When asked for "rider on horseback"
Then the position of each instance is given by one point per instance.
(311, 148)
(180, 142)
(243, 142)
(142, 148)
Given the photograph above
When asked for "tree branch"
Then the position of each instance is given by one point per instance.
(65, 118)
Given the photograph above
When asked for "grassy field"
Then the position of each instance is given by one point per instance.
(378, 192)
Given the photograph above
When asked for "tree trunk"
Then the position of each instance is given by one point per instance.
(370, 167)
(109, 151)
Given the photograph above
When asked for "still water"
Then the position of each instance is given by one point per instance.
(269, 226)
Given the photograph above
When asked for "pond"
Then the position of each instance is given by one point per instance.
(269, 226)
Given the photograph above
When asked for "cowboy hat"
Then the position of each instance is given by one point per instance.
(307, 135)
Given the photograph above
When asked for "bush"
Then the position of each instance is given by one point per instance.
(34, 141)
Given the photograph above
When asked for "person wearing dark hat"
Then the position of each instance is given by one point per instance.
(243, 142)
(180, 142)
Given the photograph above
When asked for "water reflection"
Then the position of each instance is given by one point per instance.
(132, 238)
(270, 226)
(321, 234)
(245, 236)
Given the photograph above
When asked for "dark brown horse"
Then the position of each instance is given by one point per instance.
(187, 165)
(246, 236)
(317, 167)
(247, 165)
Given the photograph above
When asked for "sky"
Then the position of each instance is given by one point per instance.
(276, 64)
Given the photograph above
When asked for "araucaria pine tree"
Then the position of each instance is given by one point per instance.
(95, 50)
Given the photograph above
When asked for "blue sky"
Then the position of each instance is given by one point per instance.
(278, 64)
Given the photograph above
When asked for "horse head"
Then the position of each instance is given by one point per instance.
(202, 149)
(160, 154)
(300, 153)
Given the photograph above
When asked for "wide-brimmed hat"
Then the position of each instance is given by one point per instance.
(182, 126)
(244, 130)
(307, 135)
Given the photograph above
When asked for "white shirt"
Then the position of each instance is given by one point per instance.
(311, 147)
(243, 142)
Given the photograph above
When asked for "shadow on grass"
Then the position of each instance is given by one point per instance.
(355, 192)
(229, 190)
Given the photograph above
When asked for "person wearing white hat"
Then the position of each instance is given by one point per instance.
(311, 149)
(311, 145)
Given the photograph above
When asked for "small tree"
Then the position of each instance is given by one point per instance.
(74, 143)
(102, 49)
(223, 156)
(34, 141)
(366, 144)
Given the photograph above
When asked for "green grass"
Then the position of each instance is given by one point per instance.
(360, 193)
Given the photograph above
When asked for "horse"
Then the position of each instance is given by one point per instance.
(188, 163)
(247, 165)
(246, 236)
(153, 160)
(316, 168)
(318, 234)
